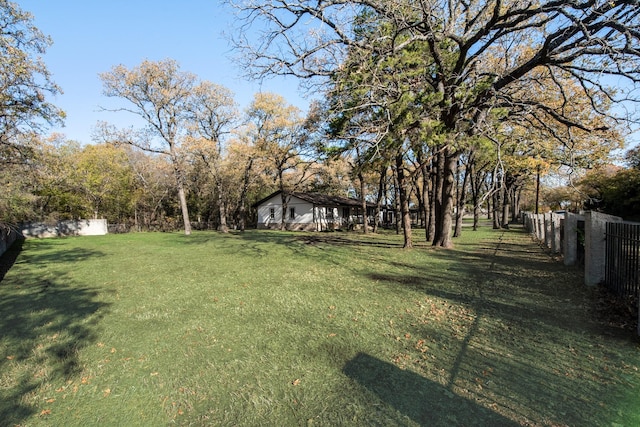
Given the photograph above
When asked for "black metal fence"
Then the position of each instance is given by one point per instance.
(622, 267)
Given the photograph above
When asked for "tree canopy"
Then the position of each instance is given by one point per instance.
(479, 61)
(24, 83)
(160, 93)
(430, 109)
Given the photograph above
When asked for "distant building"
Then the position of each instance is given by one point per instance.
(311, 212)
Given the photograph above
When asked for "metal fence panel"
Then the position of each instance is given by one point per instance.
(623, 258)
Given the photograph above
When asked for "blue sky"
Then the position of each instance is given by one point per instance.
(92, 36)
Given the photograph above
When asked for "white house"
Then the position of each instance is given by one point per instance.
(310, 211)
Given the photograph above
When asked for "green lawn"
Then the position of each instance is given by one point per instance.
(285, 329)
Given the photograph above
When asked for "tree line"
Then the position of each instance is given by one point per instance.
(434, 109)
(270, 146)
(441, 77)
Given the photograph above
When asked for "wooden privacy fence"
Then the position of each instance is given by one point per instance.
(623, 258)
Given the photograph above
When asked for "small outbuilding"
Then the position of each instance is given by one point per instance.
(310, 211)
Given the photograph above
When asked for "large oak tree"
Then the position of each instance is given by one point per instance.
(478, 57)
(282, 143)
(212, 114)
(160, 93)
(24, 83)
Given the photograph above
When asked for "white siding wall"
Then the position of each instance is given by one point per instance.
(303, 210)
(264, 213)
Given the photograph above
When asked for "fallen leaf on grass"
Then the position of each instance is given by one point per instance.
(45, 412)
(296, 382)
(10, 357)
(106, 392)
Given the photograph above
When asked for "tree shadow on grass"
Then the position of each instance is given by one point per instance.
(53, 251)
(315, 238)
(511, 326)
(425, 402)
(255, 242)
(44, 323)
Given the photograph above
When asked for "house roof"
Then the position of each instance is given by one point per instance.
(320, 199)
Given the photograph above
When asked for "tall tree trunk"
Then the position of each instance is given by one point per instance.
(426, 200)
(475, 192)
(537, 189)
(462, 198)
(283, 197)
(243, 214)
(446, 202)
(487, 203)
(182, 196)
(404, 201)
(494, 212)
(430, 232)
(363, 201)
(496, 204)
(476, 215)
(243, 195)
(184, 208)
(285, 205)
(396, 202)
(222, 208)
(438, 200)
(381, 191)
(515, 203)
(505, 209)
(416, 185)
(507, 186)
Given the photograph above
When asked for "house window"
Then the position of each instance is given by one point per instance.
(345, 212)
(292, 213)
(329, 212)
(272, 213)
